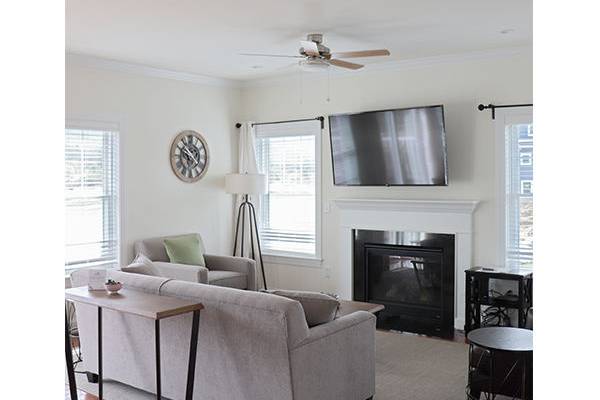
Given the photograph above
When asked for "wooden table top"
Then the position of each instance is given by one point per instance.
(502, 338)
(348, 307)
(134, 302)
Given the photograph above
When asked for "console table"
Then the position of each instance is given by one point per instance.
(477, 294)
(145, 305)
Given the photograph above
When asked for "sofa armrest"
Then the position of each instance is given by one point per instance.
(336, 360)
(236, 264)
(182, 272)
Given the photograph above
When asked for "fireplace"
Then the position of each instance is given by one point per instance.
(411, 274)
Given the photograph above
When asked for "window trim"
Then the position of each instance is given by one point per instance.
(302, 259)
(76, 123)
(504, 117)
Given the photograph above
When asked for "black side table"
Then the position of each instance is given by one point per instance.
(477, 294)
(500, 362)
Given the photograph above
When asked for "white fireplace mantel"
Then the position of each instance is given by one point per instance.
(434, 216)
(435, 206)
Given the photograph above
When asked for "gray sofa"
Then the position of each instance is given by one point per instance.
(251, 346)
(235, 272)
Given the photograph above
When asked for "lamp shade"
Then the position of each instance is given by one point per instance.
(246, 183)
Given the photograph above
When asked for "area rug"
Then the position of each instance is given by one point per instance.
(408, 367)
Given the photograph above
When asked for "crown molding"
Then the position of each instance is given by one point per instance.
(145, 70)
(397, 65)
(286, 77)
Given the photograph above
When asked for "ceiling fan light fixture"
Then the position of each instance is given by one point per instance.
(313, 65)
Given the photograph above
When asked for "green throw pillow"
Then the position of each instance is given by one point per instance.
(185, 250)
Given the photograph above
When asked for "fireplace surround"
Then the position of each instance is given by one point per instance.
(453, 217)
(411, 274)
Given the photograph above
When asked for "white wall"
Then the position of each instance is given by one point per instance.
(150, 112)
(458, 85)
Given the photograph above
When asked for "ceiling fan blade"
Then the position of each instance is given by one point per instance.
(310, 48)
(344, 64)
(269, 55)
(364, 53)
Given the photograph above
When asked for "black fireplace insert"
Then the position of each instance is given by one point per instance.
(411, 274)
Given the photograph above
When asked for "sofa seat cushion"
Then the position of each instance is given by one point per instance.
(230, 279)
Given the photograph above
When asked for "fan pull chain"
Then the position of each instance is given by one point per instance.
(328, 84)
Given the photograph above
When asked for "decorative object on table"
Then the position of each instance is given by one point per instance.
(96, 278)
(189, 156)
(246, 184)
(478, 295)
(113, 287)
(500, 362)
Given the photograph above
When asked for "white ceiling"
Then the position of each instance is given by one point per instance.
(205, 37)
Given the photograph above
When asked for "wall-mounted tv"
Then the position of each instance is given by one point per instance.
(400, 147)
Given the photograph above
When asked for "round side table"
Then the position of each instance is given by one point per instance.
(500, 362)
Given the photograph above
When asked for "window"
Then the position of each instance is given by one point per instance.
(289, 154)
(526, 157)
(91, 198)
(516, 133)
(526, 187)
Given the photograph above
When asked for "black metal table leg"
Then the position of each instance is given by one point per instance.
(157, 353)
(189, 391)
(69, 359)
(100, 353)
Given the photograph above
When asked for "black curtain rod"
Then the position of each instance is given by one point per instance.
(493, 107)
(322, 119)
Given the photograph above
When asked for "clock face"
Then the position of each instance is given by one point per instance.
(189, 156)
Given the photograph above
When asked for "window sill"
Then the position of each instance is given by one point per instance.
(297, 261)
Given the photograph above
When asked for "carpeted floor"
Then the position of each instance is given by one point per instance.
(408, 367)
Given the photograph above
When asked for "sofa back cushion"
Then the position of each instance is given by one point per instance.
(154, 248)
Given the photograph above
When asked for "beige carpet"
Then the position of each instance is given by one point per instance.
(408, 367)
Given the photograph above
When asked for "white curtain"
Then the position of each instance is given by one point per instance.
(247, 164)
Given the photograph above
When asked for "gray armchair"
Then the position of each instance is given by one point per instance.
(234, 272)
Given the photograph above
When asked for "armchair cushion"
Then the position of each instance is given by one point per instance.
(185, 250)
(182, 272)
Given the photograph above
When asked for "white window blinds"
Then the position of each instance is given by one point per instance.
(91, 198)
(289, 154)
(519, 194)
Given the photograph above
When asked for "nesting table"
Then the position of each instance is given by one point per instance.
(500, 362)
(145, 305)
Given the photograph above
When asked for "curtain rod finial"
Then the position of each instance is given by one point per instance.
(238, 125)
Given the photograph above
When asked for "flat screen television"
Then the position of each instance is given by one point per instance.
(401, 147)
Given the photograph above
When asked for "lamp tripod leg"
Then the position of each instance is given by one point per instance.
(252, 213)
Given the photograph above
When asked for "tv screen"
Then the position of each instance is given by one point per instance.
(403, 147)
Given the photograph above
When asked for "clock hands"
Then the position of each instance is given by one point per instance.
(189, 153)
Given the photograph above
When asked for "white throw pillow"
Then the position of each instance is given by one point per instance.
(142, 265)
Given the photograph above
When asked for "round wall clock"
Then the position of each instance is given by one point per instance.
(189, 156)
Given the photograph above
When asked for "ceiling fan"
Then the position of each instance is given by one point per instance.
(315, 54)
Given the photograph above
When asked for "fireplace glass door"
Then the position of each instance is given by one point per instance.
(397, 274)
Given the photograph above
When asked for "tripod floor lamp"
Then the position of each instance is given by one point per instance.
(247, 184)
